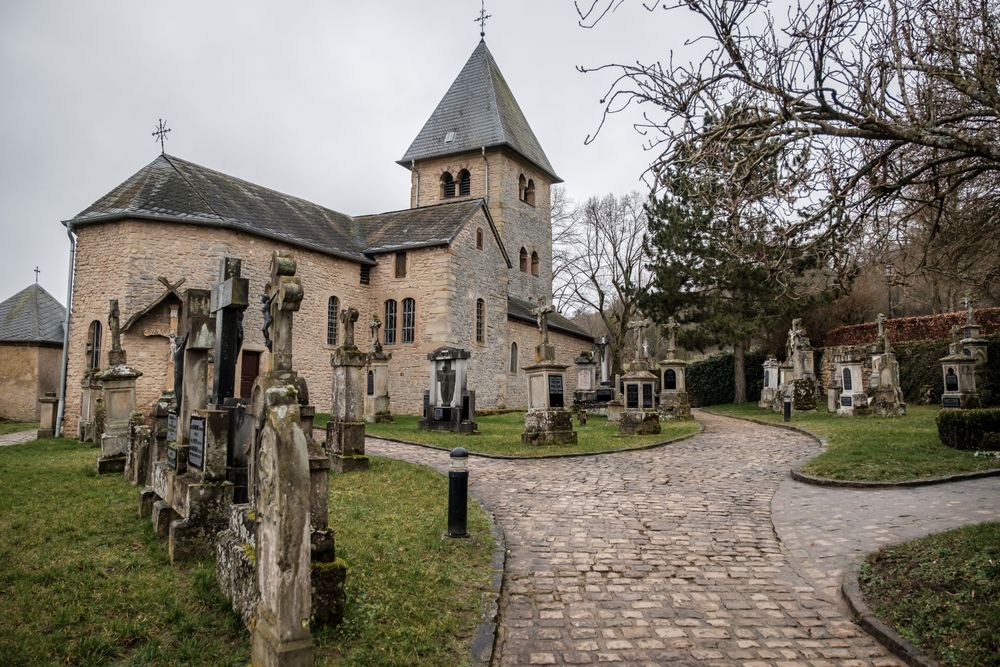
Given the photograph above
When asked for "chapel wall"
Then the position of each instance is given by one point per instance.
(19, 382)
(526, 336)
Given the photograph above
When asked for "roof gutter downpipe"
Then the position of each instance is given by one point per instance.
(487, 163)
(61, 409)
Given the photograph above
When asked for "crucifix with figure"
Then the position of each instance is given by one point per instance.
(671, 326)
(544, 351)
(286, 298)
(637, 326)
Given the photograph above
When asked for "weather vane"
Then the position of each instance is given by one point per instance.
(161, 134)
(482, 19)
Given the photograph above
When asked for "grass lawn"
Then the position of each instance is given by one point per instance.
(942, 593)
(15, 427)
(501, 434)
(83, 581)
(875, 449)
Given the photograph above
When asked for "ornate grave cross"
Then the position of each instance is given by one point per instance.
(880, 323)
(373, 326)
(482, 18)
(230, 297)
(116, 355)
(349, 316)
(285, 299)
(671, 326)
(161, 134)
(542, 316)
(967, 304)
(637, 326)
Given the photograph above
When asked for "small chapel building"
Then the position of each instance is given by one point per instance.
(464, 266)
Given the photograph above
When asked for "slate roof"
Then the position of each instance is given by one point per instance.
(172, 189)
(480, 109)
(518, 309)
(32, 316)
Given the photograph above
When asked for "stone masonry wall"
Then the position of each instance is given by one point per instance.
(19, 382)
(526, 335)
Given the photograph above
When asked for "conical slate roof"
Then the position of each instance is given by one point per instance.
(32, 316)
(480, 109)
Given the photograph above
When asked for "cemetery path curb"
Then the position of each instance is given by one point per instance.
(574, 455)
(885, 635)
(805, 478)
(484, 639)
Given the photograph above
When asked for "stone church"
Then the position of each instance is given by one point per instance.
(464, 266)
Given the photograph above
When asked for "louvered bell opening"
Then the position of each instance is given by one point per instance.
(366, 274)
(447, 185)
(464, 183)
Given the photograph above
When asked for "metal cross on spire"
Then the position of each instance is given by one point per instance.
(161, 134)
(37, 271)
(482, 19)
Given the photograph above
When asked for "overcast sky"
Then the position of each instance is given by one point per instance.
(315, 98)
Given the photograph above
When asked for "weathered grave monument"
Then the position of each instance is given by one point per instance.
(449, 405)
(547, 421)
(802, 386)
(674, 402)
(963, 366)
(886, 397)
(376, 401)
(117, 383)
(586, 380)
(848, 375)
(345, 432)
(771, 383)
(639, 416)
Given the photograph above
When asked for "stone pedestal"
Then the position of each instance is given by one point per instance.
(639, 416)
(674, 402)
(960, 389)
(547, 422)
(448, 404)
(615, 409)
(851, 400)
(887, 397)
(785, 387)
(346, 429)
(47, 408)
(376, 403)
(586, 380)
(88, 429)
(118, 384)
(771, 383)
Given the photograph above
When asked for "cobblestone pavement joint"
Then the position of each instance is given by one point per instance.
(669, 555)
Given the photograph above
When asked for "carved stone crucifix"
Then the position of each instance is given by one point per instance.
(969, 317)
(671, 326)
(116, 355)
(542, 316)
(286, 299)
(373, 326)
(636, 326)
(349, 316)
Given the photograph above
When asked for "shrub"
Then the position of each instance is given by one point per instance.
(967, 429)
(710, 381)
(924, 327)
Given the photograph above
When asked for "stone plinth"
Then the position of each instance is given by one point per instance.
(376, 403)
(47, 408)
(674, 402)
(851, 399)
(639, 423)
(615, 409)
(547, 422)
(346, 429)
(771, 383)
(960, 389)
(118, 384)
(548, 427)
(640, 412)
(586, 380)
(887, 397)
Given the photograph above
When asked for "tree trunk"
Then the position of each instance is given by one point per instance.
(740, 379)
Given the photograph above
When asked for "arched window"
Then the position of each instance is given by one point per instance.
(529, 193)
(522, 186)
(464, 183)
(390, 322)
(480, 320)
(670, 379)
(409, 319)
(479, 239)
(513, 357)
(94, 345)
(848, 384)
(524, 260)
(332, 307)
(447, 185)
(534, 263)
(371, 383)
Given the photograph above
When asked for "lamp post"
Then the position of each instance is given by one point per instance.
(890, 273)
(458, 493)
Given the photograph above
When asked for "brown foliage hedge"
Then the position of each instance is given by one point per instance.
(924, 327)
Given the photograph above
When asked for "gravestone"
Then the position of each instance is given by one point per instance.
(376, 401)
(346, 429)
(118, 389)
(886, 396)
(639, 416)
(449, 405)
(586, 380)
(771, 383)
(547, 421)
(851, 399)
(47, 408)
(803, 387)
(674, 403)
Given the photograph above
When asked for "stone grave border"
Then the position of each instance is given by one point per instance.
(796, 471)
(569, 455)
(902, 648)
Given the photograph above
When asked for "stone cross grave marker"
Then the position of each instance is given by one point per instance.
(349, 316)
(285, 299)
(671, 326)
(969, 315)
(636, 326)
(373, 326)
(116, 355)
(542, 316)
(229, 300)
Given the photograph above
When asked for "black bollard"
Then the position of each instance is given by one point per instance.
(788, 408)
(458, 493)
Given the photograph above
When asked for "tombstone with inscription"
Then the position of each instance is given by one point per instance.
(639, 416)
(118, 388)
(852, 399)
(674, 402)
(449, 405)
(377, 379)
(345, 432)
(547, 421)
(771, 383)
(959, 374)
(886, 395)
(586, 380)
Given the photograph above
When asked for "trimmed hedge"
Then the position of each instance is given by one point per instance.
(923, 327)
(967, 429)
(919, 366)
(711, 381)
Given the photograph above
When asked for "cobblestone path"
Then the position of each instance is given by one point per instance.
(659, 556)
(19, 437)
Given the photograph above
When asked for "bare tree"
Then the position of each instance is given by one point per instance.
(565, 236)
(604, 260)
(886, 111)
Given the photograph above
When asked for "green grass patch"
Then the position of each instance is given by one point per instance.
(414, 597)
(941, 592)
(501, 435)
(16, 427)
(83, 581)
(875, 449)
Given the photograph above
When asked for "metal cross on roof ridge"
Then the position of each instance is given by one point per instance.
(160, 134)
(482, 19)
(37, 271)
